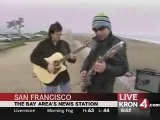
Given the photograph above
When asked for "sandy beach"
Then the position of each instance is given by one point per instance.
(16, 69)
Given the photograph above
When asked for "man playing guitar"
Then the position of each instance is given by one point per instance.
(45, 49)
(105, 71)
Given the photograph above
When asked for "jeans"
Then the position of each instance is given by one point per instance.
(61, 88)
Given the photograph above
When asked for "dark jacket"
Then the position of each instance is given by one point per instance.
(45, 49)
(117, 66)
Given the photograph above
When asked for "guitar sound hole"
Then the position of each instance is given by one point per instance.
(57, 69)
(57, 66)
(56, 63)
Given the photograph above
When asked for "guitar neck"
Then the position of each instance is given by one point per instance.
(78, 50)
(111, 52)
(68, 55)
(103, 58)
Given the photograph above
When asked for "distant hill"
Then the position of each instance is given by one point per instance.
(44, 33)
(83, 34)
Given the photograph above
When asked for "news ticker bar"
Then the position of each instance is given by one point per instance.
(109, 104)
(120, 100)
(81, 113)
(59, 110)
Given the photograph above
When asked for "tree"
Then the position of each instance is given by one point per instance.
(16, 24)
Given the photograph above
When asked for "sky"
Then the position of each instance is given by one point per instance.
(128, 17)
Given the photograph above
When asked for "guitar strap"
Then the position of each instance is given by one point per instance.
(94, 47)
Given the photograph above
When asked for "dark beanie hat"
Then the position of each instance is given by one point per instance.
(101, 20)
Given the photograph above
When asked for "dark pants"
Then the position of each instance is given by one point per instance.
(106, 87)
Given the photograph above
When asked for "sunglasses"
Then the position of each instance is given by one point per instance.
(99, 29)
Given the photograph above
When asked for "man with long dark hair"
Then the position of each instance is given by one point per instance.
(48, 47)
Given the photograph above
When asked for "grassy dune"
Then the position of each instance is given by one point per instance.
(11, 45)
(17, 43)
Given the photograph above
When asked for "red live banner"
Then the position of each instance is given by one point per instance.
(57, 97)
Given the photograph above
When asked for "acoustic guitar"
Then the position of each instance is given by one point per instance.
(57, 59)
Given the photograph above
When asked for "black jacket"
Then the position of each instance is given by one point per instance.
(117, 66)
(45, 49)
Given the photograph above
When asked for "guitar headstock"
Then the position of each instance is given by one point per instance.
(89, 43)
(115, 49)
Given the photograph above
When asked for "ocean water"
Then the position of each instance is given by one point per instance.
(155, 40)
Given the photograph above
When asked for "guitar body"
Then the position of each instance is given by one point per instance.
(43, 75)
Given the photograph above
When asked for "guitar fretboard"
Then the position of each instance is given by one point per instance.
(68, 55)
